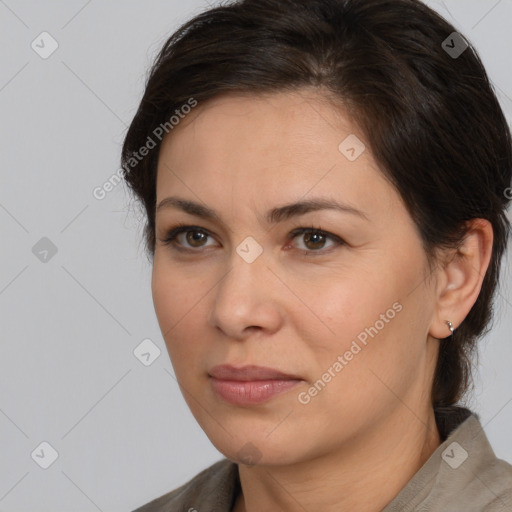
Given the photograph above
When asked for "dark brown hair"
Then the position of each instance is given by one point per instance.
(432, 120)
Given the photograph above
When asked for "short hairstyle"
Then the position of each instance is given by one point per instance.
(431, 118)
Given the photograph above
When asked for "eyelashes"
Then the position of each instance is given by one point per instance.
(193, 244)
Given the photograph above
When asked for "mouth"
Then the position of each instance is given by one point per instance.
(250, 385)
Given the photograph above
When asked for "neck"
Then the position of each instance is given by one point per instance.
(363, 475)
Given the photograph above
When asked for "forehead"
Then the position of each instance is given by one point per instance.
(242, 147)
(242, 131)
(283, 107)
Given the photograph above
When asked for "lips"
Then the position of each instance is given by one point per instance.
(249, 385)
(249, 373)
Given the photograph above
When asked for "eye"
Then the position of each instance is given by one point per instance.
(314, 239)
(184, 237)
(188, 237)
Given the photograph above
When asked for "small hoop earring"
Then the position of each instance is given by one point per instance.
(450, 326)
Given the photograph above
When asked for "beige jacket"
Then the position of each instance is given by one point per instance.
(462, 475)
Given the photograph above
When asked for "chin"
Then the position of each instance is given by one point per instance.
(253, 449)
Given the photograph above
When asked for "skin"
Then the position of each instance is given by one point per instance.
(356, 444)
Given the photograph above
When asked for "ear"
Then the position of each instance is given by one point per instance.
(460, 278)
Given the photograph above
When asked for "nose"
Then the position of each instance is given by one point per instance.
(246, 300)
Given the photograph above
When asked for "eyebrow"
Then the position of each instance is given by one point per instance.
(273, 216)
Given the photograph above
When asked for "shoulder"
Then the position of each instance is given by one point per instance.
(462, 474)
(495, 480)
(485, 471)
(469, 476)
(215, 487)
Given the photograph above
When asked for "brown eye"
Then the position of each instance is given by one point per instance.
(195, 238)
(187, 237)
(314, 240)
(191, 237)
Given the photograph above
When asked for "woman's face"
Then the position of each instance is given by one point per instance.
(344, 313)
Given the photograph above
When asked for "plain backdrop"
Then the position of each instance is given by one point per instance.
(74, 280)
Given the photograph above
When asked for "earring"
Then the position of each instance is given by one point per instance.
(450, 326)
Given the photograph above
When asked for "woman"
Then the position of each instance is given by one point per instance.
(325, 183)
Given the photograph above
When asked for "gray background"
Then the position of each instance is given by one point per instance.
(69, 325)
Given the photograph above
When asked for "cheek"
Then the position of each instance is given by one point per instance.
(176, 292)
(380, 325)
(177, 302)
(344, 307)
(368, 316)
(165, 291)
